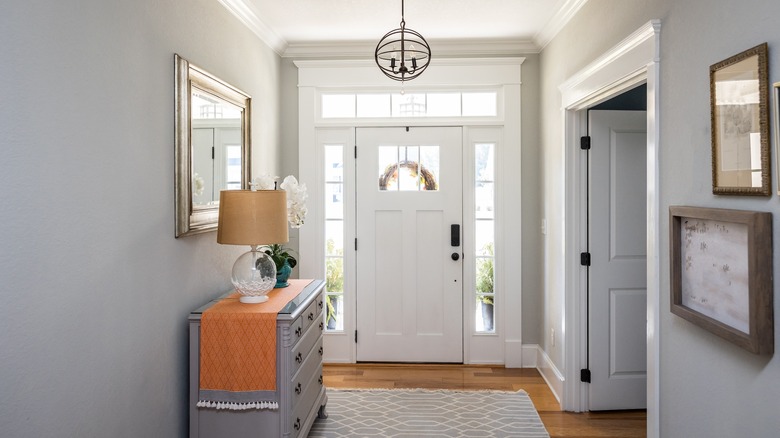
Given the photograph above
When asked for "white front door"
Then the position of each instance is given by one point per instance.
(409, 285)
(618, 271)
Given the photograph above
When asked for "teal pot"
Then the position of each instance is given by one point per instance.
(283, 274)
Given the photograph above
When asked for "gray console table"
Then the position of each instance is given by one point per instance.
(299, 388)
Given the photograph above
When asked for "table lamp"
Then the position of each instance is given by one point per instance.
(254, 218)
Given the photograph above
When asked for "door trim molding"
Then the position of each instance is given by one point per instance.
(504, 74)
(633, 61)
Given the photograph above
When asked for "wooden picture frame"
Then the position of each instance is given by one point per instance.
(721, 273)
(740, 124)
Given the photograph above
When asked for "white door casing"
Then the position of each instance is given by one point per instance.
(618, 249)
(503, 74)
(409, 288)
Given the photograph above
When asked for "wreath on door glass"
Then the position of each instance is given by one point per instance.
(426, 178)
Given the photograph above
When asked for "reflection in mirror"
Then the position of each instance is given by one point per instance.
(216, 147)
(212, 146)
(740, 143)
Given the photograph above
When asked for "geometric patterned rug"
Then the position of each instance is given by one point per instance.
(411, 413)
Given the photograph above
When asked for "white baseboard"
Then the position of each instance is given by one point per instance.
(549, 372)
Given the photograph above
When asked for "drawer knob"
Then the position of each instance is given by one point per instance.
(321, 350)
(319, 304)
(320, 380)
(311, 316)
(298, 388)
(322, 326)
(299, 358)
(297, 425)
(298, 332)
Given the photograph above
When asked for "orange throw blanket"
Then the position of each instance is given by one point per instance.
(238, 348)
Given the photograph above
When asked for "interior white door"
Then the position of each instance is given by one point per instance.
(618, 274)
(409, 284)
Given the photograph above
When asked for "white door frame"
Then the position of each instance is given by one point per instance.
(633, 61)
(501, 74)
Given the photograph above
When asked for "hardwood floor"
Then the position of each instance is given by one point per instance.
(623, 424)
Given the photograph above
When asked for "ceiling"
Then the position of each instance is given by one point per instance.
(307, 28)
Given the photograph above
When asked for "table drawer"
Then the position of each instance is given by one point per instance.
(302, 348)
(309, 316)
(307, 369)
(308, 396)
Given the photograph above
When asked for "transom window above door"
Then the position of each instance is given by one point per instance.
(427, 104)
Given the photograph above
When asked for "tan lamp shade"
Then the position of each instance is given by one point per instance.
(249, 217)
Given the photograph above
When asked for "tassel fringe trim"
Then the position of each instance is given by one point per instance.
(233, 406)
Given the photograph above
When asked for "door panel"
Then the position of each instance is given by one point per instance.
(617, 288)
(409, 290)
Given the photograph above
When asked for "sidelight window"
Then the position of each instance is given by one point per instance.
(334, 237)
(484, 202)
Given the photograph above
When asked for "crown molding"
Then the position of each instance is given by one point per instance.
(440, 49)
(558, 22)
(248, 15)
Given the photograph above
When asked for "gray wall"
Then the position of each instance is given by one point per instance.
(708, 387)
(95, 289)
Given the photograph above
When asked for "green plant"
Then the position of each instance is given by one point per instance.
(331, 303)
(334, 279)
(279, 254)
(485, 277)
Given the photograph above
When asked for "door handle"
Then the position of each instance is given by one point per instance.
(455, 256)
(455, 235)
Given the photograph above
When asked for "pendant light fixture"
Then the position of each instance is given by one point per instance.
(402, 54)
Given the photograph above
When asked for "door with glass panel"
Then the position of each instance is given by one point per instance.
(409, 253)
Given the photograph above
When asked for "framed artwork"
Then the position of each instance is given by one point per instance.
(740, 124)
(721, 273)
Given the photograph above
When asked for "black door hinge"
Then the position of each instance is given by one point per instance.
(585, 142)
(356, 336)
(585, 375)
(585, 258)
(355, 151)
(212, 152)
(356, 244)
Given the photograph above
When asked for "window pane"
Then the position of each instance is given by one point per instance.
(429, 159)
(233, 167)
(485, 314)
(483, 157)
(443, 104)
(480, 104)
(400, 169)
(334, 201)
(334, 238)
(408, 105)
(334, 163)
(484, 238)
(388, 167)
(334, 312)
(485, 275)
(338, 105)
(373, 105)
(408, 168)
(483, 197)
(334, 274)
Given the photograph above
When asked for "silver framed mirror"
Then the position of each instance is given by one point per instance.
(212, 145)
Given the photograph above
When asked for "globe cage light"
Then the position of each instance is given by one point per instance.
(402, 54)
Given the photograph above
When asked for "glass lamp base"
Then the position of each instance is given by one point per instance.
(254, 275)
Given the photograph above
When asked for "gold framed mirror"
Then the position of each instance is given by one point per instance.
(212, 150)
(740, 124)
